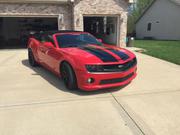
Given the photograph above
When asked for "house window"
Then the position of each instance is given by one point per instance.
(149, 26)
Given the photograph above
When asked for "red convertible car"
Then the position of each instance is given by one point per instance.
(81, 60)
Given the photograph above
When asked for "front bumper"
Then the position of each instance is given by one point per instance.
(105, 80)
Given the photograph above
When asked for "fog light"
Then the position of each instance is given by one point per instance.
(90, 80)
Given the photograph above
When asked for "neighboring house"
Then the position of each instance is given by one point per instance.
(160, 21)
(106, 19)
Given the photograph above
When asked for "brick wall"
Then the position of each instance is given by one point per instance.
(39, 10)
(72, 14)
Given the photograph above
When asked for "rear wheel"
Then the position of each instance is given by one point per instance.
(31, 58)
(68, 76)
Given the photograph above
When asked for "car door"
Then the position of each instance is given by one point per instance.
(41, 50)
(44, 48)
(51, 54)
(53, 59)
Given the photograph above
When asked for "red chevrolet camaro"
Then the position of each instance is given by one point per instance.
(82, 60)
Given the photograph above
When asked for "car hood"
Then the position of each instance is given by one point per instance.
(98, 54)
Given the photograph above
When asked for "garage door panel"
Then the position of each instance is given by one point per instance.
(14, 31)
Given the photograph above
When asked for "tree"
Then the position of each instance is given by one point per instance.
(135, 11)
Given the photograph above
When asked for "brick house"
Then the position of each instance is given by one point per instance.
(106, 19)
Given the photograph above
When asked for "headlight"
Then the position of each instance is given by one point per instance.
(94, 68)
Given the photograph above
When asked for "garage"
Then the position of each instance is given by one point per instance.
(14, 31)
(103, 27)
(18, 18)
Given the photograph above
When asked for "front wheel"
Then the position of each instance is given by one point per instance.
(68, 76)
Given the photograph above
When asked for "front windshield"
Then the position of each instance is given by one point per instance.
(74, 40)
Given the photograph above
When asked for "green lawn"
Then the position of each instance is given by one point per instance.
(166, 50)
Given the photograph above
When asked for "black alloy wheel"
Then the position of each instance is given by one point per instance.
(68, 76)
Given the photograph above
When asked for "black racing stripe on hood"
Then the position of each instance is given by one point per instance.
(121, 54)
(104, 56)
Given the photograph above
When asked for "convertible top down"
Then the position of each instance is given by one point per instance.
(82, 60)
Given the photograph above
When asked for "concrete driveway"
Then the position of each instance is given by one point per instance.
(35, 102)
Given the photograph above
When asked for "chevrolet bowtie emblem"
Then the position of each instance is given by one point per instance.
(120, 66)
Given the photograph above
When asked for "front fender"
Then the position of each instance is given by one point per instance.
(74, 62)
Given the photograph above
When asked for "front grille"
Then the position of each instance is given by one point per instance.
(120, 67)
(117, 80)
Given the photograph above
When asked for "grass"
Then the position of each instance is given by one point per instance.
(166, 50)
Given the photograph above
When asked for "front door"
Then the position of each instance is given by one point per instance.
(49, 55)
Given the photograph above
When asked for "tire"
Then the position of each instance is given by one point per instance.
(31, 58)
(68, 76)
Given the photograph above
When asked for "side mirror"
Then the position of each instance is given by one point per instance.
(32, 33)
(100, 40)
(49, 45)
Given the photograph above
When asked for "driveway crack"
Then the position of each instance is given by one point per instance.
(126, 112)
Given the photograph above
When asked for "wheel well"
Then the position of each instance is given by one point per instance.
(72, 74)
(60, 66)
(31, 50)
